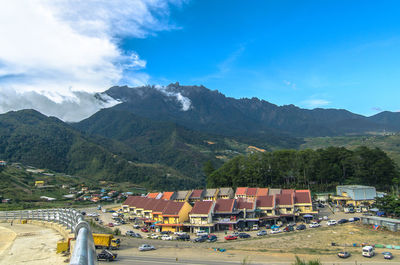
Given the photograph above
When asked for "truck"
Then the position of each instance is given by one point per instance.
(106, 241)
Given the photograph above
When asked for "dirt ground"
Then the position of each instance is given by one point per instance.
(28, 244)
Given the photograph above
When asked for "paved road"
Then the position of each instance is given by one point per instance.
(125, 260)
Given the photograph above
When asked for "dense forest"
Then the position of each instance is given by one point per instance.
(319, 170)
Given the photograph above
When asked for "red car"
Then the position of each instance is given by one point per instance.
(230, 237)
(110, 224)
(144, 229)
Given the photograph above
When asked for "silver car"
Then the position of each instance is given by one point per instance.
(146, 247)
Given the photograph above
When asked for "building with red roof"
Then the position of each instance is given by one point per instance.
(266, 206)
(197, 195)
(173, 216)
(303, 202)
(201, 216)
(285, 204)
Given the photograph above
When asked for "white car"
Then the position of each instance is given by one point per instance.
(276, 231)
(202, 233)
(331, 222)
(146, 247)
(180, 233)
(166, 237)
(154, 236)
(314, 225)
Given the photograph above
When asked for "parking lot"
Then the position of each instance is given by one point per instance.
(308, 243)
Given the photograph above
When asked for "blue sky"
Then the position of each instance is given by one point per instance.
(334, 54)
(331, 54)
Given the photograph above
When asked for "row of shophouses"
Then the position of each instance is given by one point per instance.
(219, 209)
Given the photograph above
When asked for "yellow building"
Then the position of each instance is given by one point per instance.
(303, 203)
(173, 216)
(266, 206)
(285, 204)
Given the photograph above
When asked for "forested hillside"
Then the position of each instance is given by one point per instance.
(319, 170)
(33, 139)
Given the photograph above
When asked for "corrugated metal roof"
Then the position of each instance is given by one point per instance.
(210, 192)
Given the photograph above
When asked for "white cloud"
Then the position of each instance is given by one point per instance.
(184, 101)
(315, 103)
(55, 48)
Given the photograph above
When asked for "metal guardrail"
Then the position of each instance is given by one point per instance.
(84, 251)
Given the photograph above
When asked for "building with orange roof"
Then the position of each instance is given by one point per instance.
(240, 192)
(154, 195)
(262, 192)
(168, 195)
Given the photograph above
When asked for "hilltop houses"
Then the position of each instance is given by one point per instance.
(219, 209)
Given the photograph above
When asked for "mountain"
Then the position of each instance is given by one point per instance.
(387, 118)
(164, 143)
(201, 109)
(33, 139)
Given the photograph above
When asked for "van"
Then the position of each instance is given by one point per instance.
(368, 251)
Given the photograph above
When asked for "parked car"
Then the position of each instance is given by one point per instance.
(230, 237)
(200, 239)
(130, 233)
(110, 224)
(235, 234)
(268, 226)
(212, 238)
(183, 237)
(314, 225)
(354, 219)
(137, 235)
(166, 237)
(144, 229)
(344, 254)
(275, 226)
(136, 226)
(275, 231)
(154, 236)
(387, 255)
(146, 247)
(331, 222)
(301, 227)
(244, 235)
(288, 228)
(255, 227)
(106, 255)
(342, 221)
(202, 233)
(262, 233)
